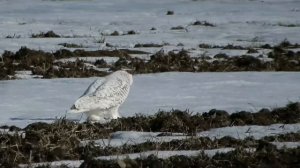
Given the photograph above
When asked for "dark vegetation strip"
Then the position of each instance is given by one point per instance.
(46, 142)
(184, 121)
(283, 60)
(194, 143)
(61, 140)
(175, 121)
(55, 146)
(43, 63)
(266, 156)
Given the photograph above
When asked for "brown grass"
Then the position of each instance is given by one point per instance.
(40, 142)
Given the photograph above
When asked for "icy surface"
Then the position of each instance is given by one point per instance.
(133, 138)
(25, 75)
(281, 145)
(166, 154)
(159, 154)
(258, 132)
(26, 101)
(238, 132)
(82, 22)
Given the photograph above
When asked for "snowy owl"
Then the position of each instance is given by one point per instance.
(102, 99)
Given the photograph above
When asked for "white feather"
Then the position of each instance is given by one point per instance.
(103, 97)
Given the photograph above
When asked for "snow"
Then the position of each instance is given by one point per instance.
(32, 100)
(255, 131)
(166, 154)
(246, 23)
(25, 75)
(159, 154)
(109, 60)
(120, 138)
(281, 145)
(82, 22)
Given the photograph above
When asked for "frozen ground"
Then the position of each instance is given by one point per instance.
(86, 22)
(159, 154)
(82, 22)
(27, 101)
(238, 132)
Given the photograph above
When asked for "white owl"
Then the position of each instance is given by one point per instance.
(102, 99)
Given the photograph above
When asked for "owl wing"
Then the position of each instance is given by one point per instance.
(102, 95)
(93, 86)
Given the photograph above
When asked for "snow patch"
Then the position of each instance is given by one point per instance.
(26, 75)
(258, 132)
(198, 92)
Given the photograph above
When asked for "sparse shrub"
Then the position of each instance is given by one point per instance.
(266, 46)
(180, 45)
(148, 45)
(203, 45)
(247, 62)
(233, 47)
(49, 34)
(131, 32)
(115, 33)
(71, 45)
(101, 63)
(178, 28)
(252, 50)
(13, 36)
(221, 55)
(170, 13)
(203, 23)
